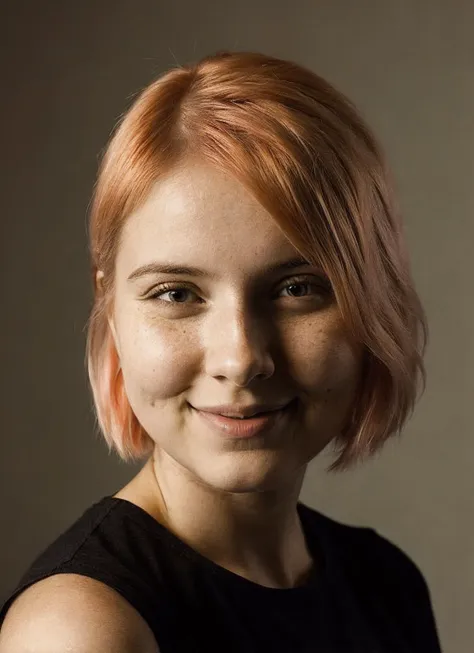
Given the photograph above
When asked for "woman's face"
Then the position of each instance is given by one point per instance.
(237, 333)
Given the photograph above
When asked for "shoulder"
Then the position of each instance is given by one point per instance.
(384, 578)
(75, 613)
(370, 559)
(389, 563)
(366, 542)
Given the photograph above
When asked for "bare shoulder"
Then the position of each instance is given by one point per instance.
(74, 613)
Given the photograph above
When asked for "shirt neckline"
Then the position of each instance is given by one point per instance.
(313, 534)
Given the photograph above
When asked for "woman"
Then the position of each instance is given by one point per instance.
(227, 185)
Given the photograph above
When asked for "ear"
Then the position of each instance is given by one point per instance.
(99, 276)
(113, 331)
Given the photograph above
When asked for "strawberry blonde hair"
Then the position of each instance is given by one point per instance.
(306, 155)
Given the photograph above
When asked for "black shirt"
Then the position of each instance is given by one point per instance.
(365, 595)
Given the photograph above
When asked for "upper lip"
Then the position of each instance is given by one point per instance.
(230, 410)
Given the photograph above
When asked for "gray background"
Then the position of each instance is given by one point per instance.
(68, 70)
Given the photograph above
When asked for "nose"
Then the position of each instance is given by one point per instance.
(238, 348)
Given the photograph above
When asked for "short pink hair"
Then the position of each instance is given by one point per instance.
(306, 155)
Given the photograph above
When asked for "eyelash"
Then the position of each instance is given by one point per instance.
(296, 281)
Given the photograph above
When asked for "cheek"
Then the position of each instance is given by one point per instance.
(328, 366)
(328, 375)
(156, 360)
(340, 376)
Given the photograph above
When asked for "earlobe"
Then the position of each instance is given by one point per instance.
(114, 334)
(99, 275)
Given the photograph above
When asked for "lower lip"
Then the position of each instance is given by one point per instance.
(245, 428)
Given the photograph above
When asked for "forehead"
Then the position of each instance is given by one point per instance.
(202, 216)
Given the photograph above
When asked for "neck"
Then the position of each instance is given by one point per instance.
(257, 535)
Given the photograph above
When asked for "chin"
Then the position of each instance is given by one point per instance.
(238, 475)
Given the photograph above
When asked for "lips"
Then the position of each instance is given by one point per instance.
(260, 412)
(232, 427)
(242, 411)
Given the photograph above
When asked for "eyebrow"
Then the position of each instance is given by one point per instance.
(176, 269)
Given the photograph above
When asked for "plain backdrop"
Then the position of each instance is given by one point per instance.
(69, 69)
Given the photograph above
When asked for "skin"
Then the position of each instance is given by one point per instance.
(238, 335)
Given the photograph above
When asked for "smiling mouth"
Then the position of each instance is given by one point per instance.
(246, 427)
(246, 413)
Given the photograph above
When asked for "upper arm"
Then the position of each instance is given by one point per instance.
(69, 612)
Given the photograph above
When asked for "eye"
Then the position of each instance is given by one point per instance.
(176, 293)
(315, 287)
(298, 285)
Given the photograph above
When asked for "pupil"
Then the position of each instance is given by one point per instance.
(173, 294)
(296, 285)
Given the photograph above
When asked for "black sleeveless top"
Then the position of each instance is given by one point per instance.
(365, 595)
